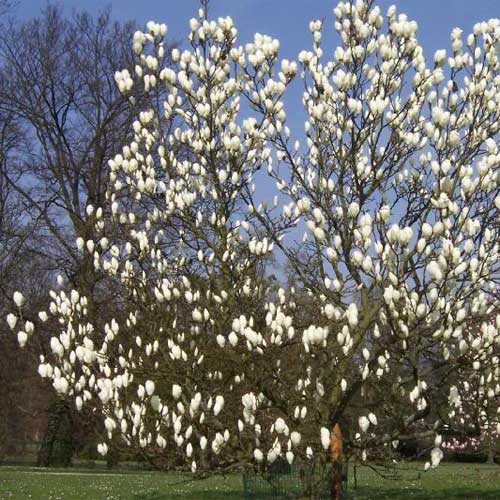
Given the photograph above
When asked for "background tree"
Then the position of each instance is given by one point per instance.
(18, 268)
(64, 117)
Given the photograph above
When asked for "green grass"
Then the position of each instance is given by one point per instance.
(449, 481)
(23, 483)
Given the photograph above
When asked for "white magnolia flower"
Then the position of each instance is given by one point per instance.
(258, 455)
(11, 320)
(325, 438)
(364, 423)
(19, 299)
(22, 338)
(150, 387)
(176, 391)
(102, 449)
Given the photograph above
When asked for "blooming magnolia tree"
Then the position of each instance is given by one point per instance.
(475, 412)
(394, 183)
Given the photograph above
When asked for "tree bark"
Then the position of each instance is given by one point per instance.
(57, 446)
(336, 456)
(491, 455)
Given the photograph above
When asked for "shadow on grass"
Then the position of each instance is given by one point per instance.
(358, 494)
(198, 495)
(420, 494)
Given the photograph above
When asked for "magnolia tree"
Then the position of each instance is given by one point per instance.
(478, 429)
(476, 416)
(394, 183)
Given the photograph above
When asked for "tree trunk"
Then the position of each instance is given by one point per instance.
(491, 455)
(57, 446)
(336, 456)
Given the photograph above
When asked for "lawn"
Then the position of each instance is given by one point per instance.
(449, 481)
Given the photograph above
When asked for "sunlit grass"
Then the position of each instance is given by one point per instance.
(449, 481)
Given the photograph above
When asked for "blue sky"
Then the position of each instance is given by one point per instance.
(286, 19)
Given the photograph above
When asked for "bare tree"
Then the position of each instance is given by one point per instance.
(6, 6)
(58, 94)
(58, 83)
(19, 267)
